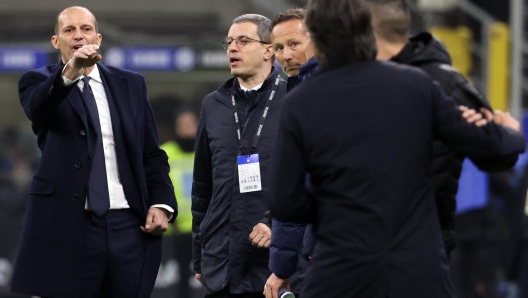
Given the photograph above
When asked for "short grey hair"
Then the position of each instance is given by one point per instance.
(263, 25)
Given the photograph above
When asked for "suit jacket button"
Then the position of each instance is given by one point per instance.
(74, 197)
(82, 132)
(77, 165)
(50, 89)
(89, 157)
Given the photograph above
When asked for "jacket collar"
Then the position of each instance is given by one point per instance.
(230, 86)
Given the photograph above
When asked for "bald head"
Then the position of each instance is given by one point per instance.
(76, 27)
(61, 15)
(391, 19)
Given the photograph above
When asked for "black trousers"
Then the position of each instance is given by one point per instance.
(113, 255)
(183, 255)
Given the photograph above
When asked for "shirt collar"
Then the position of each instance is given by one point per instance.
(95, 75)
(254, 88)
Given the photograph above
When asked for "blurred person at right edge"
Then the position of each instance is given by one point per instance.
(291, 243)
(391, 21)
(364, 131)
(509, 193)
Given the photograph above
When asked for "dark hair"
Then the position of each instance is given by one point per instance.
(96, 27)
(341, 31)
(288, 15)
(263, 25)
(391, 19)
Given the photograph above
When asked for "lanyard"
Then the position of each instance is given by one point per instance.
(262, 119)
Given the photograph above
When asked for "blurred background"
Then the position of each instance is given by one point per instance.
(176, 46)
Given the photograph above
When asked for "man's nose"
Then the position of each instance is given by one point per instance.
(287, 54)
(232, 46)
(78, 34)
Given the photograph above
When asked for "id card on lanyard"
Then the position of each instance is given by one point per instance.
(249, 177)
(249, 173)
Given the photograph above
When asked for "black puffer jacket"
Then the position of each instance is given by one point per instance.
(223, 217)
(430, 54)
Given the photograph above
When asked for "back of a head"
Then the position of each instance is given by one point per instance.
(391, 19)
(341, 31)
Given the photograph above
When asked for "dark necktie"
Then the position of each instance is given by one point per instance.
(98, 198)
(251, 94)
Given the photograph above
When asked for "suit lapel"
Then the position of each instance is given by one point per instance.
(76, 102)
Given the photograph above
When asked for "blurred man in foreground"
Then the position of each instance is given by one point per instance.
(364, 130)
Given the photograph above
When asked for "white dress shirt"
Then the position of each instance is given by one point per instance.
(115, 188)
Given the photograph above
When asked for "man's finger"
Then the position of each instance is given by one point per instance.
(481, 122)
(253, 234)
(257, 239)
(274, 291)
(148, 222)
(488, 115)
(262, 242)
(159, 221)
(468, 113)
(474, 118)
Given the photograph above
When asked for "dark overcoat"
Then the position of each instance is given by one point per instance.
(365, 134)
(48, 259)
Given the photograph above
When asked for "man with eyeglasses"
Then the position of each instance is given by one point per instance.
(235, 141)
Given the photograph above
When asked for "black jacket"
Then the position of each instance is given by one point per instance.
(367, 145)
(429, 54)
(223, 218)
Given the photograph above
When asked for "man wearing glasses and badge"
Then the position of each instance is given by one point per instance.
(234, 145)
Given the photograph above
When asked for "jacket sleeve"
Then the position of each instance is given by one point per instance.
(484, 142)
(286, 245)
(465, 94)
(41, 93)
(155, 161)
(201, 189)
(290, 200)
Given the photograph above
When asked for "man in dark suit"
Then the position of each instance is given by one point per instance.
(101, 196)
(364, 131)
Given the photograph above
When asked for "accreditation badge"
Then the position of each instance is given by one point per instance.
(249, 173)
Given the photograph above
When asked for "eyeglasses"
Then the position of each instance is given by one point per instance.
(239, 41)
